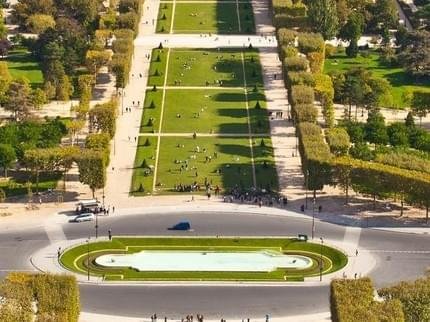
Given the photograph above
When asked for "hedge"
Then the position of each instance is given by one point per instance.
(338, 141)
(57, 298)
(310, 42)
(301, 94)
(305, 113)
(414, 296)
(287, 21)
(352, 301)
(286, 36)
(296, 64)
(288, 51)
(300, 78)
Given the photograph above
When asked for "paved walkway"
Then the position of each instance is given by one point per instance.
(318, 317)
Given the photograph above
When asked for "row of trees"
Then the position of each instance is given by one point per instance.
(329, 164)
(353, 300)
(56, 298)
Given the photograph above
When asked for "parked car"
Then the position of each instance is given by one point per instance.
(89, 216)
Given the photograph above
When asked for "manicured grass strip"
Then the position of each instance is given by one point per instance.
(76, 258)
(144, 165)
(205, 111)
(206, 17)
(164, 18)
(396, 76)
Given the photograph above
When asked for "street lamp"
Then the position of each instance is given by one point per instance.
(306, 191)
(88, 258)
(97, 225)
(313, 217)
(321, 258)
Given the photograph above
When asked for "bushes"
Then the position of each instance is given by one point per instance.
(288, 51)
(316, 62)
(57, 298)
(296, 64)
(305, 113)
(310, 42)
(301, 94)
(352, 300)
(414, 296)
(338, 141)
(287, 21)
(300, 78)
(286, 36)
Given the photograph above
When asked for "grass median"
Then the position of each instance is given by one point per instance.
(79, 260)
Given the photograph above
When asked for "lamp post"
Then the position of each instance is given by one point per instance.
(321, 259)
(88, 258)
(306, 192)
(313, 217)
(122, 101)
(97, 225)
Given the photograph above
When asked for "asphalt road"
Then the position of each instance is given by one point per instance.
(398, 258)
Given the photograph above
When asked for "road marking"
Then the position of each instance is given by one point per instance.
(173, 19)
(352, 236)
(55, 232)
(157, 154)
(254, 179)
(238, 15)
(400, 251)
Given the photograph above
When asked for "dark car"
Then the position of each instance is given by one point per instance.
(183, 225)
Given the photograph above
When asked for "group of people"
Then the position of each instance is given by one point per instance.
(188, 318)
(258, 197)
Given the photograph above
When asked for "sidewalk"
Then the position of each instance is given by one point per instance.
(317, 317)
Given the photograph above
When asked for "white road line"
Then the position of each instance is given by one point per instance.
(254, 179)
(238, 16)
(352, 236)
(55, 232)
(173, 16)
(154, 183)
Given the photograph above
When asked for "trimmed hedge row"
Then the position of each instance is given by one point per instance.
(352, 301)
(57, 298)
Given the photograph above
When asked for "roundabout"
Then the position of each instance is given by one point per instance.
(203, 259)
(383, 255)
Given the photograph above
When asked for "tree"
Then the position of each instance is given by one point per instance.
(5, 45)
(38, 23)
(18, 99)
(73, 129)
(92, 169)
(38, 98)
(7, 157)
(3, 29)
(376, 131)
(96, 59)
(352, 31)
(420, 104)
(338, 141)
(64, 89)
(323, 17)
(384, 12)
(398, 134)
(5, 79)
(36, 160)
(415, 54)
(102, 118)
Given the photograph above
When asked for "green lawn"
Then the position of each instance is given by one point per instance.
(22, 64)
(76, 260)
(211, 17)
(188, 67)
(164, 20)
(399, 80)
(204, 111)
(205, 18)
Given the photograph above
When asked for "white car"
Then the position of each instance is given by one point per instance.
(83, 217)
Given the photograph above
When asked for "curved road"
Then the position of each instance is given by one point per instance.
(399, 256)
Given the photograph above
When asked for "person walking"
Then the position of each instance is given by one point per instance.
(110, 234)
